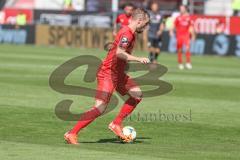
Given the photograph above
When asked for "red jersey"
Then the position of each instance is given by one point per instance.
(113, 65)
(123, 19)
(182, 25)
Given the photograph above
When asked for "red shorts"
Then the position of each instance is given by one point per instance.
(183, 41)
(106, 86)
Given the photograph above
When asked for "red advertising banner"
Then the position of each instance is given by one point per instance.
(235, 25)
(10, 15)
(210, 24)
(216, 24)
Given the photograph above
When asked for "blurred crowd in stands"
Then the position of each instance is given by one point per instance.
(167, 7)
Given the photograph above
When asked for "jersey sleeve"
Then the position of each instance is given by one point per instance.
(117, 19)
(125, 41)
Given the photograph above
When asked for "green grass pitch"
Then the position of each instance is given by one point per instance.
(29, 129)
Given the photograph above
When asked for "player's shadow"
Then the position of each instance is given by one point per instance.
(116, 140)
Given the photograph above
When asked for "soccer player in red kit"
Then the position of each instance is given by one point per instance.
(184, 32)
(111, 77)
(123, 19)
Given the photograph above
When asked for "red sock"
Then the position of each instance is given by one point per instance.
(188, 57)
(179, 57)
(126, 110)
(86, 119)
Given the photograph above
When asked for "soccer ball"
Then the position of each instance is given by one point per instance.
(130, 131)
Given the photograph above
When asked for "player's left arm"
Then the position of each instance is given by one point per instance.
(161, 29)
(192, 31)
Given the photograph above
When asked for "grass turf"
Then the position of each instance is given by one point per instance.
(29, 129)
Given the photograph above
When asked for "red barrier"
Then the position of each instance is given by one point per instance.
(235, 25)
(10, 15)
(216, 24)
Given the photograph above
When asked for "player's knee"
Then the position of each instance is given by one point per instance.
(179, 47)
(136, 93)
(187, 48)
(100, 105)
(179, 51)
(150, 49)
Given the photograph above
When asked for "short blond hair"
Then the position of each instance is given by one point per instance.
(140, 13)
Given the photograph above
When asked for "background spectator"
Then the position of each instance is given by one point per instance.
(236, 7)
(21, 19)
(68, 4)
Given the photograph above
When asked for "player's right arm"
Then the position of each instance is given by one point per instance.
(124, 43)
(161, 29)
(121, 53)
(192, 31)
